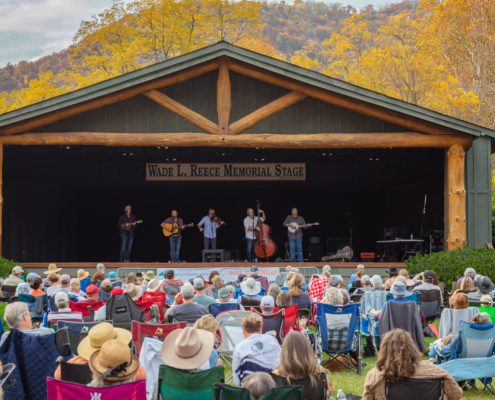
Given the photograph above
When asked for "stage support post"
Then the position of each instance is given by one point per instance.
(1, 199)
(455, 198)
(224, 98)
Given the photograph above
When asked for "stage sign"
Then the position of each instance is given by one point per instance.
(226, 172)
(227, 274)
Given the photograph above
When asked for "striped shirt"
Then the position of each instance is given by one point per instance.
(64, 315)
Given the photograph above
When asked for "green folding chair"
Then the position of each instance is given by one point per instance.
(227, 392)
(175, 384)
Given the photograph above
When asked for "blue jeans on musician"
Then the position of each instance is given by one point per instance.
(175, 248)
(125, 247)
(295, 247)
(250, 249)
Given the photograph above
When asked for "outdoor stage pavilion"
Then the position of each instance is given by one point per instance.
(223, 127)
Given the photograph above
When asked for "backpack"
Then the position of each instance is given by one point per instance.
(122, 310)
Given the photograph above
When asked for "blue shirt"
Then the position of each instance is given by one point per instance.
(210, 227)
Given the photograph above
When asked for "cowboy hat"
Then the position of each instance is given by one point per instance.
(52, 268)
(100, 334)
(154, 285)
(82, 274)
(114, 361)
(135, 292)
(149, 275)
(187, 348)
(251, 287)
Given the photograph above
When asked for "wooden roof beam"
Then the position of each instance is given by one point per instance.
(224, 98)
(252, 140)
(410, 123)
(193, 117)
(265, 111)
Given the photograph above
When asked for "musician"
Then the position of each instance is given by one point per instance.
(250, 226)
(295, 239)
(208, 226)
(127, 225)
(175, 239)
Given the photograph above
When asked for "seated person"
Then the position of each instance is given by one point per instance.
(333, 296)
(360, 271)
(257, 352)
(225, 296)
(267, 305)
(481, 321)
(486, 301)
(258, 384)
(443, 349)
(17, 316)
(190, 349)
(400, 293)
(114, 363)
(209, 323)
(172, 285)
(399, 359)
(106, 288)
(297, 296)
(251, 289)
(201, 297)
(36, 287)
(188, 311)
(75, 293)
(484, 285)
(283, 300)
(93, 300)
(63, 313)
(430, 282)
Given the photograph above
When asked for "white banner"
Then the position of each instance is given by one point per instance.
(227, 274)
(226, 172)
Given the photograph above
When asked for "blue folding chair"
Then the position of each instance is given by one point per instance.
(37, 305)
(217, 308)
(475, 342)
(415, 296)
(77, 331)
(339, 331)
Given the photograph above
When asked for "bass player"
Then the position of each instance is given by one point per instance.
(295, 238)
(175, 224)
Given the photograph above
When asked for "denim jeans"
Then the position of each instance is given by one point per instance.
(250, 249)
(175, 247)
(125, 247)
(295, 246)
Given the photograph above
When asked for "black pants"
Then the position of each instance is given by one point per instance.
(209, 243)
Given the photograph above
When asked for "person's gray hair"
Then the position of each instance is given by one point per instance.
(61, 300)
(345, 296)
(327, 271)
(470, 272)
(376, 282)
(273, 290)
(199, 283)
(258, 384)
(65, 279)
(14, 313)
(187, 291)
(481, 318)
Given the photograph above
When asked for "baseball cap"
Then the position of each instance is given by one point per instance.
(223, 293)
(198, 283)
(335, 280)
(267, 301)
(254, 268)
(429, 275)
(32, 276)
(112, 274)
(92, 289)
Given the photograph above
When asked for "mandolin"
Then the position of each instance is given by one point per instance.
(294, 226)
(173, 229)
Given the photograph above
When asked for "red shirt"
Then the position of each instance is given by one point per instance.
(318, 287)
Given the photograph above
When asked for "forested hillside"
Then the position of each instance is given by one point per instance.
(438, 54)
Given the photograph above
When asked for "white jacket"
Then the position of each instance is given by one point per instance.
(150, 358)
(262, 349)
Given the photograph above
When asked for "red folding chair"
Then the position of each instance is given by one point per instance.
(290, 318)
(141, 330)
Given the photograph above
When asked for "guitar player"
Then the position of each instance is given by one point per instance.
(175, 239)
(127, 225)
(296, 238)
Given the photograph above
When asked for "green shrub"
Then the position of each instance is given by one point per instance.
(450, 265)
(6, 267)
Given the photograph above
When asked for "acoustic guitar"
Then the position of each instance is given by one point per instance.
(127, 226)
(294, 226)
(173, 229)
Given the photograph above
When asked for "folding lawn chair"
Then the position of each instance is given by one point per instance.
(37, 305)
(222, 391)
(175, 384)
(217, 308)
(61, 390)
(339, 330)
(274, 324)
(290, 318)
(431, 304)
(140, 330)
(77, 331)
(408, 389)
(75, 373)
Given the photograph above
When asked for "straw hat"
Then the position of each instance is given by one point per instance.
(149, 275)
(114, 361)
(100, 334)
(251, 287)
(82, 274)
(187, 348)
(154, 285)
(52, 268)
(134, 291)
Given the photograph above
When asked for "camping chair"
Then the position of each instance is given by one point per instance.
(217, 308)
(431, 304)
(122, 310)
(304, 313)
(246, 302)
(408, 389)
(230, 328)
(338, 328)
(290, 318)
(8, 291)
(474, 342)
(146, 307)
(450, 320)
(356, 297)
(274, 324)
(86, 308)
(222, 391)
(61, 390)
(140, 330)
(37, 305)
(77, 331)
(415, 296)
(75, 373)
(175, 384)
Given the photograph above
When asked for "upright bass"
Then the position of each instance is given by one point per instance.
(264, 247)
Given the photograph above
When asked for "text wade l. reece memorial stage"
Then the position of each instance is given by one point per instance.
(216, 128)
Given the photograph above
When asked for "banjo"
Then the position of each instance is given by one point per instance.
(294, 226)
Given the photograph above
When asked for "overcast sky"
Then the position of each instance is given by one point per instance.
(30, 29)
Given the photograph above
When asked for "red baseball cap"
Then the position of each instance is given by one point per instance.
(92, 289)
(117, 291)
